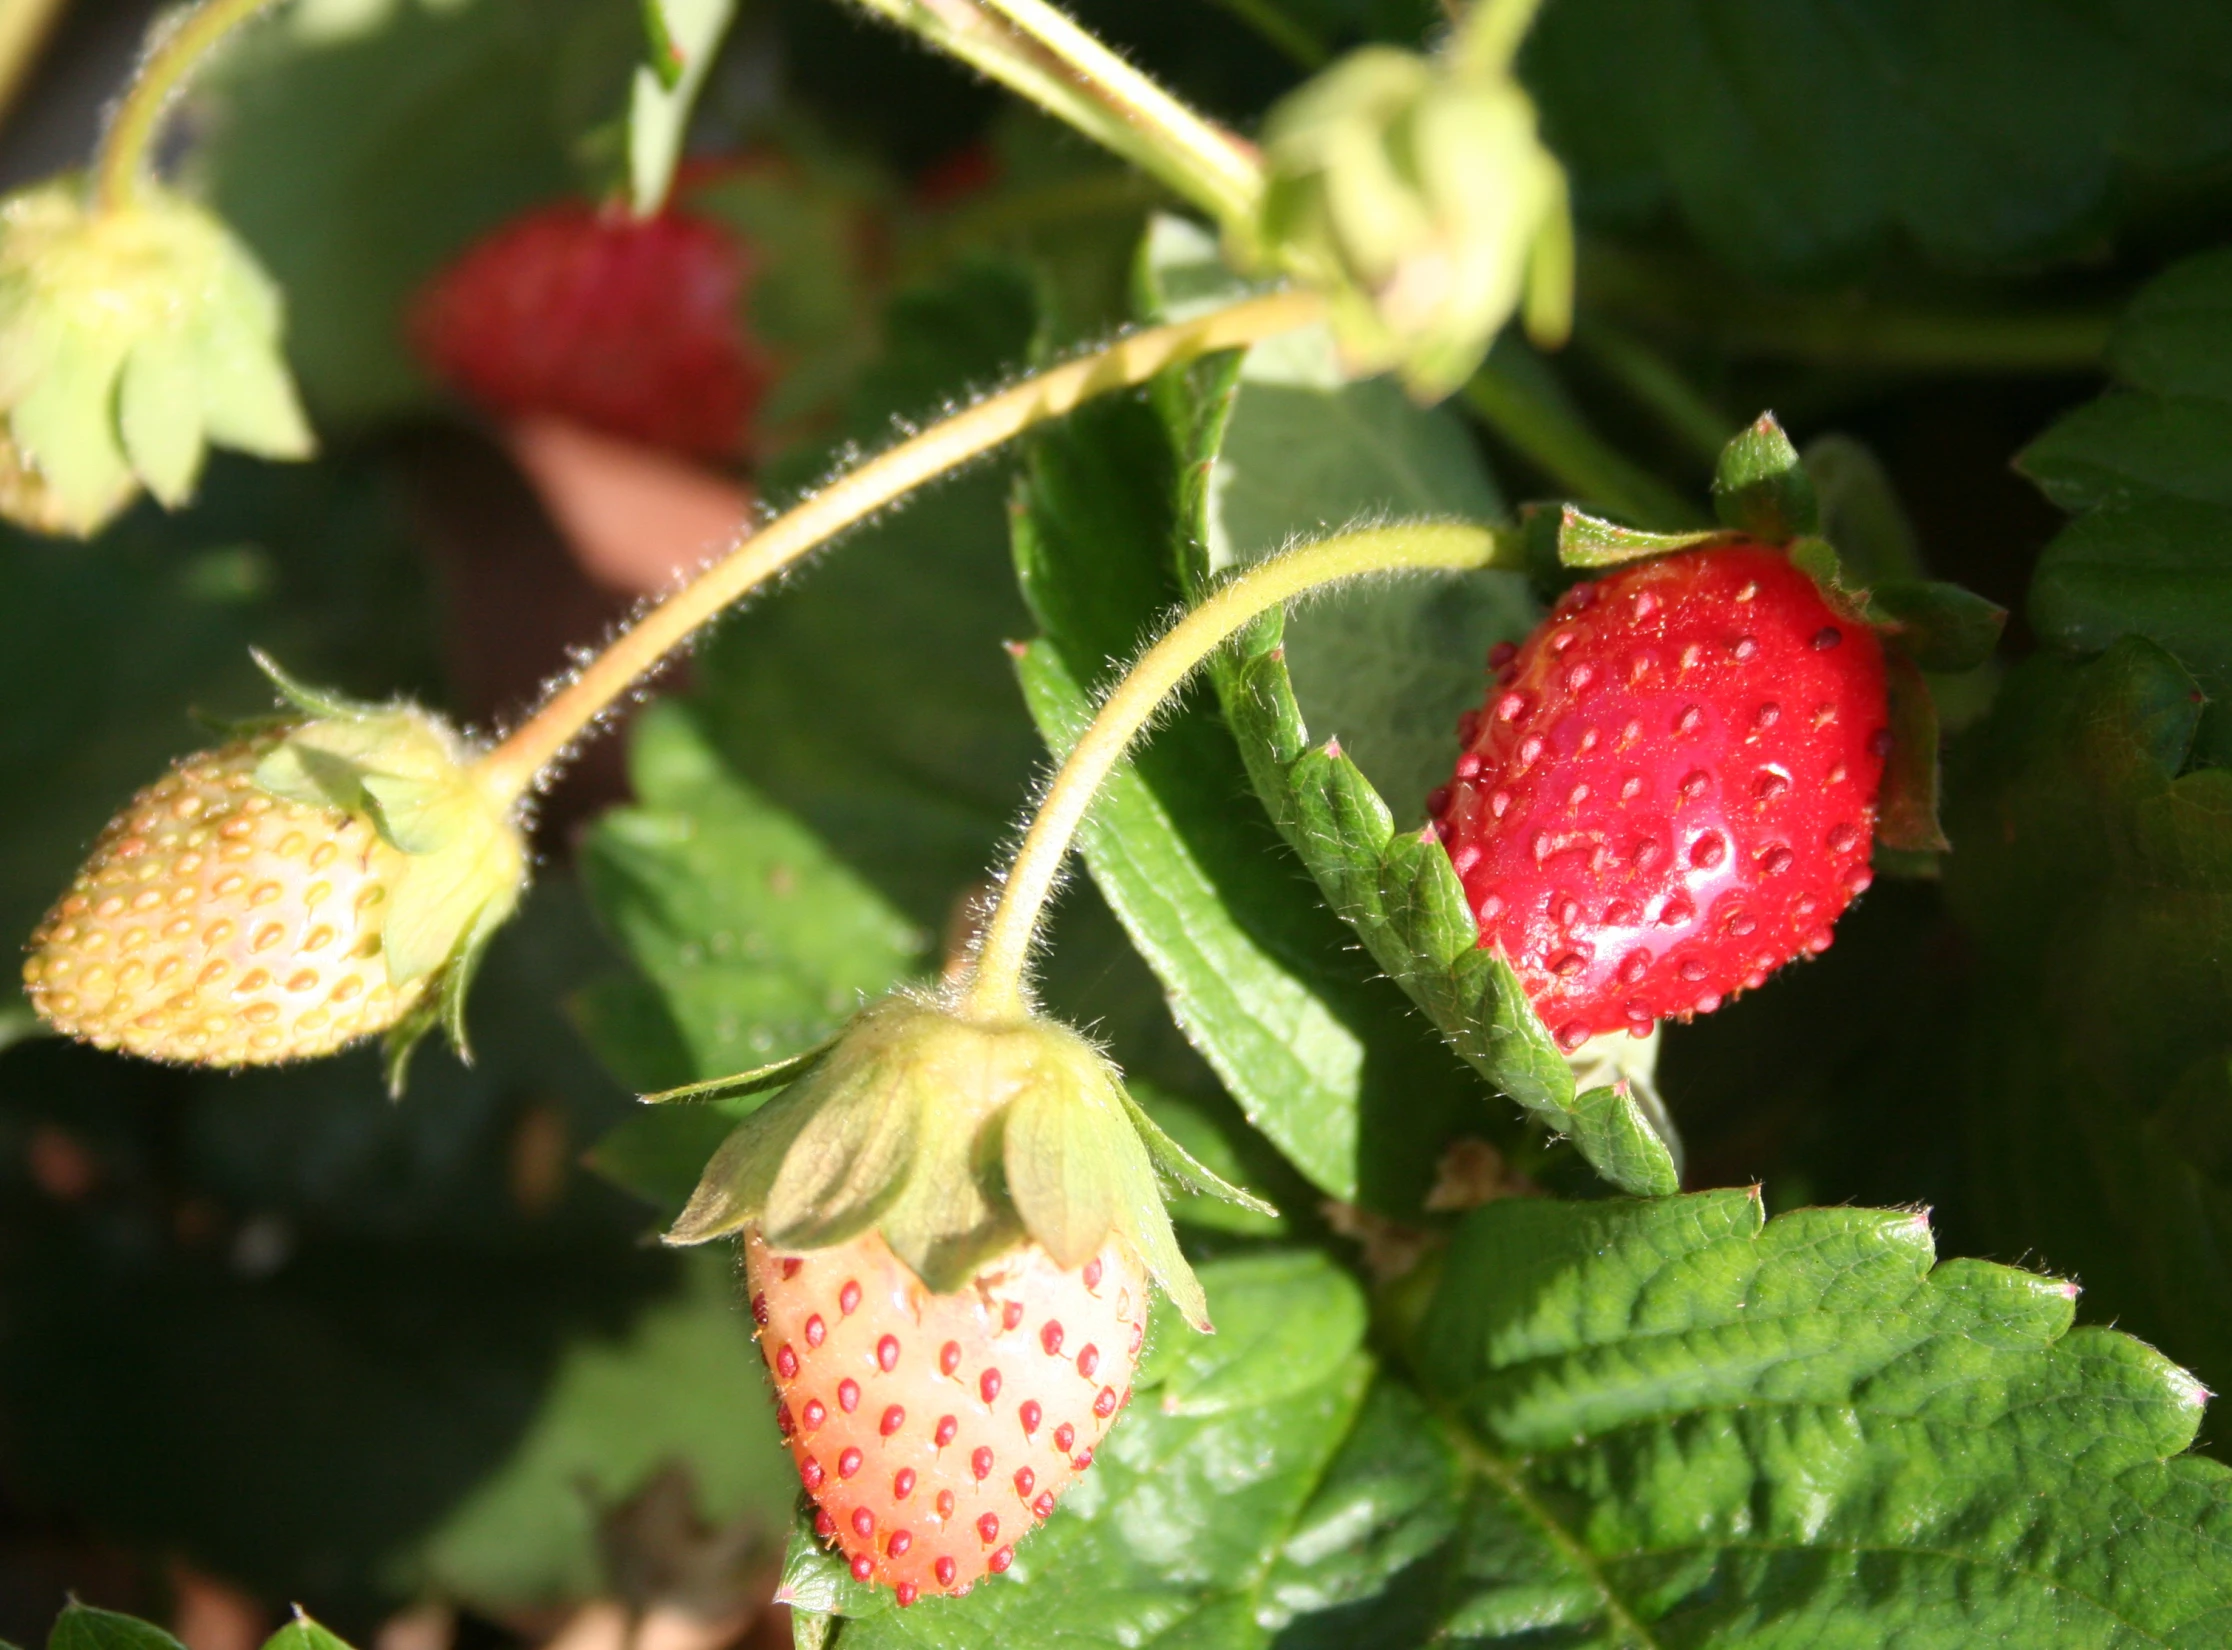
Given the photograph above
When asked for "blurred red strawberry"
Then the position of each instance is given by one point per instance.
(630, 326)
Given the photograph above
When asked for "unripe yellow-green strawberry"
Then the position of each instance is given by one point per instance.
(307, 885)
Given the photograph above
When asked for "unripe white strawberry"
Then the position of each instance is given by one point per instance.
(283, 895)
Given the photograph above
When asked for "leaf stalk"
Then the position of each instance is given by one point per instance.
(121, 164)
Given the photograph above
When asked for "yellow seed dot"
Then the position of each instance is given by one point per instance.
(97, 940)
(145, 900)
(316, 893)
(93, 978)
(260, 1014)
(178, 928)
(75, 905)
(134, 938)
(292, 844)
(110, 906)
(188, 864)
(219, 932)
(217, 1024)
(33, 968)
(153, 1020)
(370, 897)
(64, 933)
(130, 847)
(269, 935)
(254, 980)
(193, 1041)
(322, 855)
(303, 980)
(316, 1020)
(130, 974)
(59, 967)
(185, 894)
(63, 1003)
(257, 804)
(184, 1002)
(228, 885)
(346, 990)
(187, 806)
(264, 894)
(318, 938)
(264, 1040)
(235, 851)
(236, 828)
(216, 971)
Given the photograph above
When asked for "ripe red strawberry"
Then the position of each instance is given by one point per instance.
(1671, 791)
(631, 326)
(934, 1431)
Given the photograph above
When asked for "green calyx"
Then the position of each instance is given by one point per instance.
(1416, 194)
(131, 339)
(465, 859)
(956, 1141)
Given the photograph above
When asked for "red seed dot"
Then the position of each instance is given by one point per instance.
(1064, 1436)
(1088, 1360)
(1499, 803)
(1092, 1273)
(1502, 654)
(1637, 965)
(1746, 647)
(1044, 1505)
(906, 1592)
(863, 1521)
(1080, 1462)
(1776, 860)
(810, 1473)
(824, 1525)
(1842, 838)
(1708, 1002)
(1708, 850)
(1859, 878)
(887, 1354)
(981, 1463)
(989, 1384)
(1105, 1405)
(786, 1362)
(848, 1463)
(1050, 1337)
(1000, 1560)
(946, 1571)
(1570, 1037)
(816, 1331)
(989, 1528)
(759, 1310)
(949, 1357)
(1770, 785)
(1511, 707)
(1138, 1334)
(1030, 1413)
(947, 1427)
(1530, 749)
(902, 1483)
(898, 1543)
(848, 1298)
(945, 1503)
(1024, 1479)
(893, 1419)
(790, 1268)
(1677, 910)
(1690, 720)
(783, 1421)
(862, 1567)
(813, 1414)
(848, 1394)
(1011, 1314)
(1826, 638)
(1568, 965)
(1818, 941)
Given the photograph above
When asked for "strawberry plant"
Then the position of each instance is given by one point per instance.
(1247, 823)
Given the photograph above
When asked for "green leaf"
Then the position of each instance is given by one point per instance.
(1799, 138)
(1685, 1423)
(1183, 1144)
(81, 1627)
(1293, 1320)
(684, 35)
(2094, 881)
(2148, 472)
(302, 1633)
(1908, 807)
(1860, 511)
(1938, 626)
(1761, 489)
(761, 941)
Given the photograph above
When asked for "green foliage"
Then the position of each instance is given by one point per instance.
(1800, 139)
(2147, 470)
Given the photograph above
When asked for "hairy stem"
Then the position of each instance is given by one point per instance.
(510, 770)
(1488, 35)
(122, 161)
(995, 990)
(1034, 49)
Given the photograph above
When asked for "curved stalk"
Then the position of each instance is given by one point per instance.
(510, 770)
(122, 162)
(994, 992)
